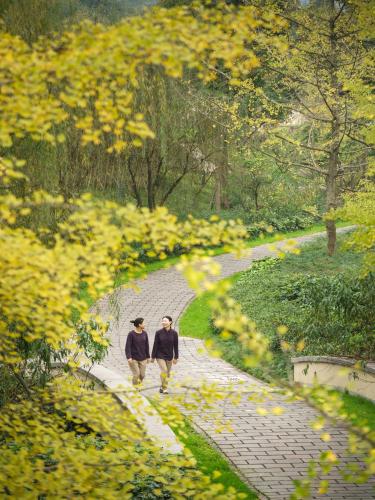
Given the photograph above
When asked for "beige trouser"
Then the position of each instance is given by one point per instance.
(165, 371)
(138, 369)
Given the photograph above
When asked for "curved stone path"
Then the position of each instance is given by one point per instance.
(269, 452)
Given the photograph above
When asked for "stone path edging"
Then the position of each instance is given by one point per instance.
(119, 386)
(269, 451)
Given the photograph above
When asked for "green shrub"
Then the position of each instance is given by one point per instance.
(263, 264)
(320, 299)
(337, 314)
(9, 386)
(94, 351)
(256, 223)
(233, 352)
(145, 486)
(274, 223)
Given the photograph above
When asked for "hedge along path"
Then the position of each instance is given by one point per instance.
(270, 451)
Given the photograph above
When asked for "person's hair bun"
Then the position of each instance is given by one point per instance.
(137, 321)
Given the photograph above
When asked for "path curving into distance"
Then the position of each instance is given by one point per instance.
(267, 451)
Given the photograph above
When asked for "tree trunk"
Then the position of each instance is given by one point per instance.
(150, 187)
(331, 235)
(136, 191)
(256, 197)
(331, 201)
(218, 200)
(333, 160)
(177, 181)
(224, 171)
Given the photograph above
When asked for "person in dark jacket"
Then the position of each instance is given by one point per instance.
(137, 350)
(165, 351)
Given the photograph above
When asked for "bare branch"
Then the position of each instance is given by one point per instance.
(361, 142)
(336, 18)
(323, 96)
(348, 33)
(305, 146)
(174, 184)
(293, 78)
(302, 25)
(134, 185)
(290, 163)
(312, 114)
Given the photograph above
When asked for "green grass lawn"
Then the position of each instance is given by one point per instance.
(195, 322)
(360, 410)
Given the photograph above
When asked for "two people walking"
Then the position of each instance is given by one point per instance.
(165, 351)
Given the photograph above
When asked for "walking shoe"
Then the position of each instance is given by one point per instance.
(161, 390)
(165, 391)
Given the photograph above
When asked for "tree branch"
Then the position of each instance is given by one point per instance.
(289, 163)
(177, 181)
(305, 146)
(293, 78)
(134, 184)
(360, 141)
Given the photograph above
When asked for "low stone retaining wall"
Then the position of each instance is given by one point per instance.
(341, 373)
(137, 404)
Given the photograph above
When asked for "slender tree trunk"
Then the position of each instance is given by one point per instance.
(136, 191)
(150, 186)
(218, 189)
(331, 185)
(331, 205)
(333, 160)
(177, 181)
(256, 197)
(224, 171)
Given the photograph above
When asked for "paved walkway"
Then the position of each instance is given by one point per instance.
(268, 451)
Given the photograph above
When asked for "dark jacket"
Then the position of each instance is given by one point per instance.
(137, 346)
(165, 343)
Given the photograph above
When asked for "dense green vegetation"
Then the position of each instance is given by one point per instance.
(215, 160)
(33, 18)
(197, 165)
(319, 299)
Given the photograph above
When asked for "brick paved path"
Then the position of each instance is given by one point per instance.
(268, 451)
